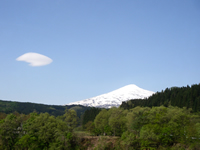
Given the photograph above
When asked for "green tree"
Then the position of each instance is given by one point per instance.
(9, 131)
(70, 118)
(117, 121)
(136, 118)
(101, 120)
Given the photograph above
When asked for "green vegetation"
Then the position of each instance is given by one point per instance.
(188, 97)
(38, 131)
(138, 128)
(149, 128)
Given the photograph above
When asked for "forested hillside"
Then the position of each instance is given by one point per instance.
(27, 108)
(188, 97)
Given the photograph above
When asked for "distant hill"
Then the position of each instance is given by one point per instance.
(26, 108)
(188, 97)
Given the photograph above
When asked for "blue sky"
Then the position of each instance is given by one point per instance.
(97, 46)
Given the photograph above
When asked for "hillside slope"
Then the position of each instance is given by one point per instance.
(26, 108)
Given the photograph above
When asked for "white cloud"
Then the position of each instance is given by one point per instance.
(35, 59)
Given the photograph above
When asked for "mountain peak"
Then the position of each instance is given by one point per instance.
(116, 97)
(129, 87)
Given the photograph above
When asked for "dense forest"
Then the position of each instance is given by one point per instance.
(188, 97)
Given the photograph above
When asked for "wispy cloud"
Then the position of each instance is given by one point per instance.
(35, 59)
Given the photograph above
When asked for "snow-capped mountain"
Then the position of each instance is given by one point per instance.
(116, 97)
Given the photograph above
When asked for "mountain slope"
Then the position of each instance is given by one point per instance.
(116, 97)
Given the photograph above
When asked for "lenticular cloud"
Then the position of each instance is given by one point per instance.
(35, 59)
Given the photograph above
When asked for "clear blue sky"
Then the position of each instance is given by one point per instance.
(97, 46)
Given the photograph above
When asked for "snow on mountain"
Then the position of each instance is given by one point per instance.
(116, 97)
